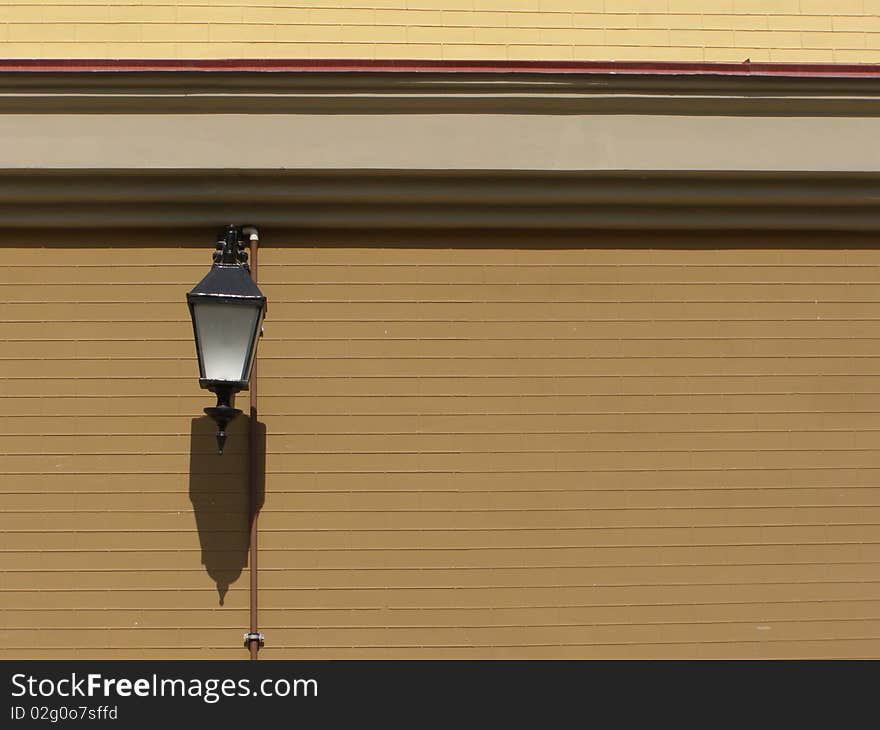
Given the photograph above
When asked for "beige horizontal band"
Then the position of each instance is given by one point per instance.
(439, 142)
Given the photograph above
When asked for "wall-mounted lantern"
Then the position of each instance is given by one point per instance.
(227, 312)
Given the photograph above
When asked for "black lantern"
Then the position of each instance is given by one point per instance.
(227, 312)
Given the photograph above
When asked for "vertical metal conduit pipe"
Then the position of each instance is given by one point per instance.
(254, 640)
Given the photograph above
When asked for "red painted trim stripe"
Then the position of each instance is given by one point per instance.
(481, 67)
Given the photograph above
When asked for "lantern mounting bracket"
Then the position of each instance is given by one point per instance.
(231, 248)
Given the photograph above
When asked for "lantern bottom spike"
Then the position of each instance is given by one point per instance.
(222, 414)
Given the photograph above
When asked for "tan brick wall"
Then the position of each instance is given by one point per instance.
(820, 31)
(660, 446)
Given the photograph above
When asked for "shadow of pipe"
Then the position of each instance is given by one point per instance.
(218, 490)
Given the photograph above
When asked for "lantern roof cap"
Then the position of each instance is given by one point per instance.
(229, 281)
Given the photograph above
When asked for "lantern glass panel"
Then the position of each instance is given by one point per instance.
(226, 333)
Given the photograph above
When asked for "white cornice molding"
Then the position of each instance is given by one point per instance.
(439, 150)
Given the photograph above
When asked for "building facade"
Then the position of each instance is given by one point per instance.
(571, 348)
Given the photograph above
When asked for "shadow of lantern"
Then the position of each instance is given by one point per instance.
(218, 490)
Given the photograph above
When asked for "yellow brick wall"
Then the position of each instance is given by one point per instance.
(812, 31)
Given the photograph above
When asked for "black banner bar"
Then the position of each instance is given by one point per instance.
(132, 694)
